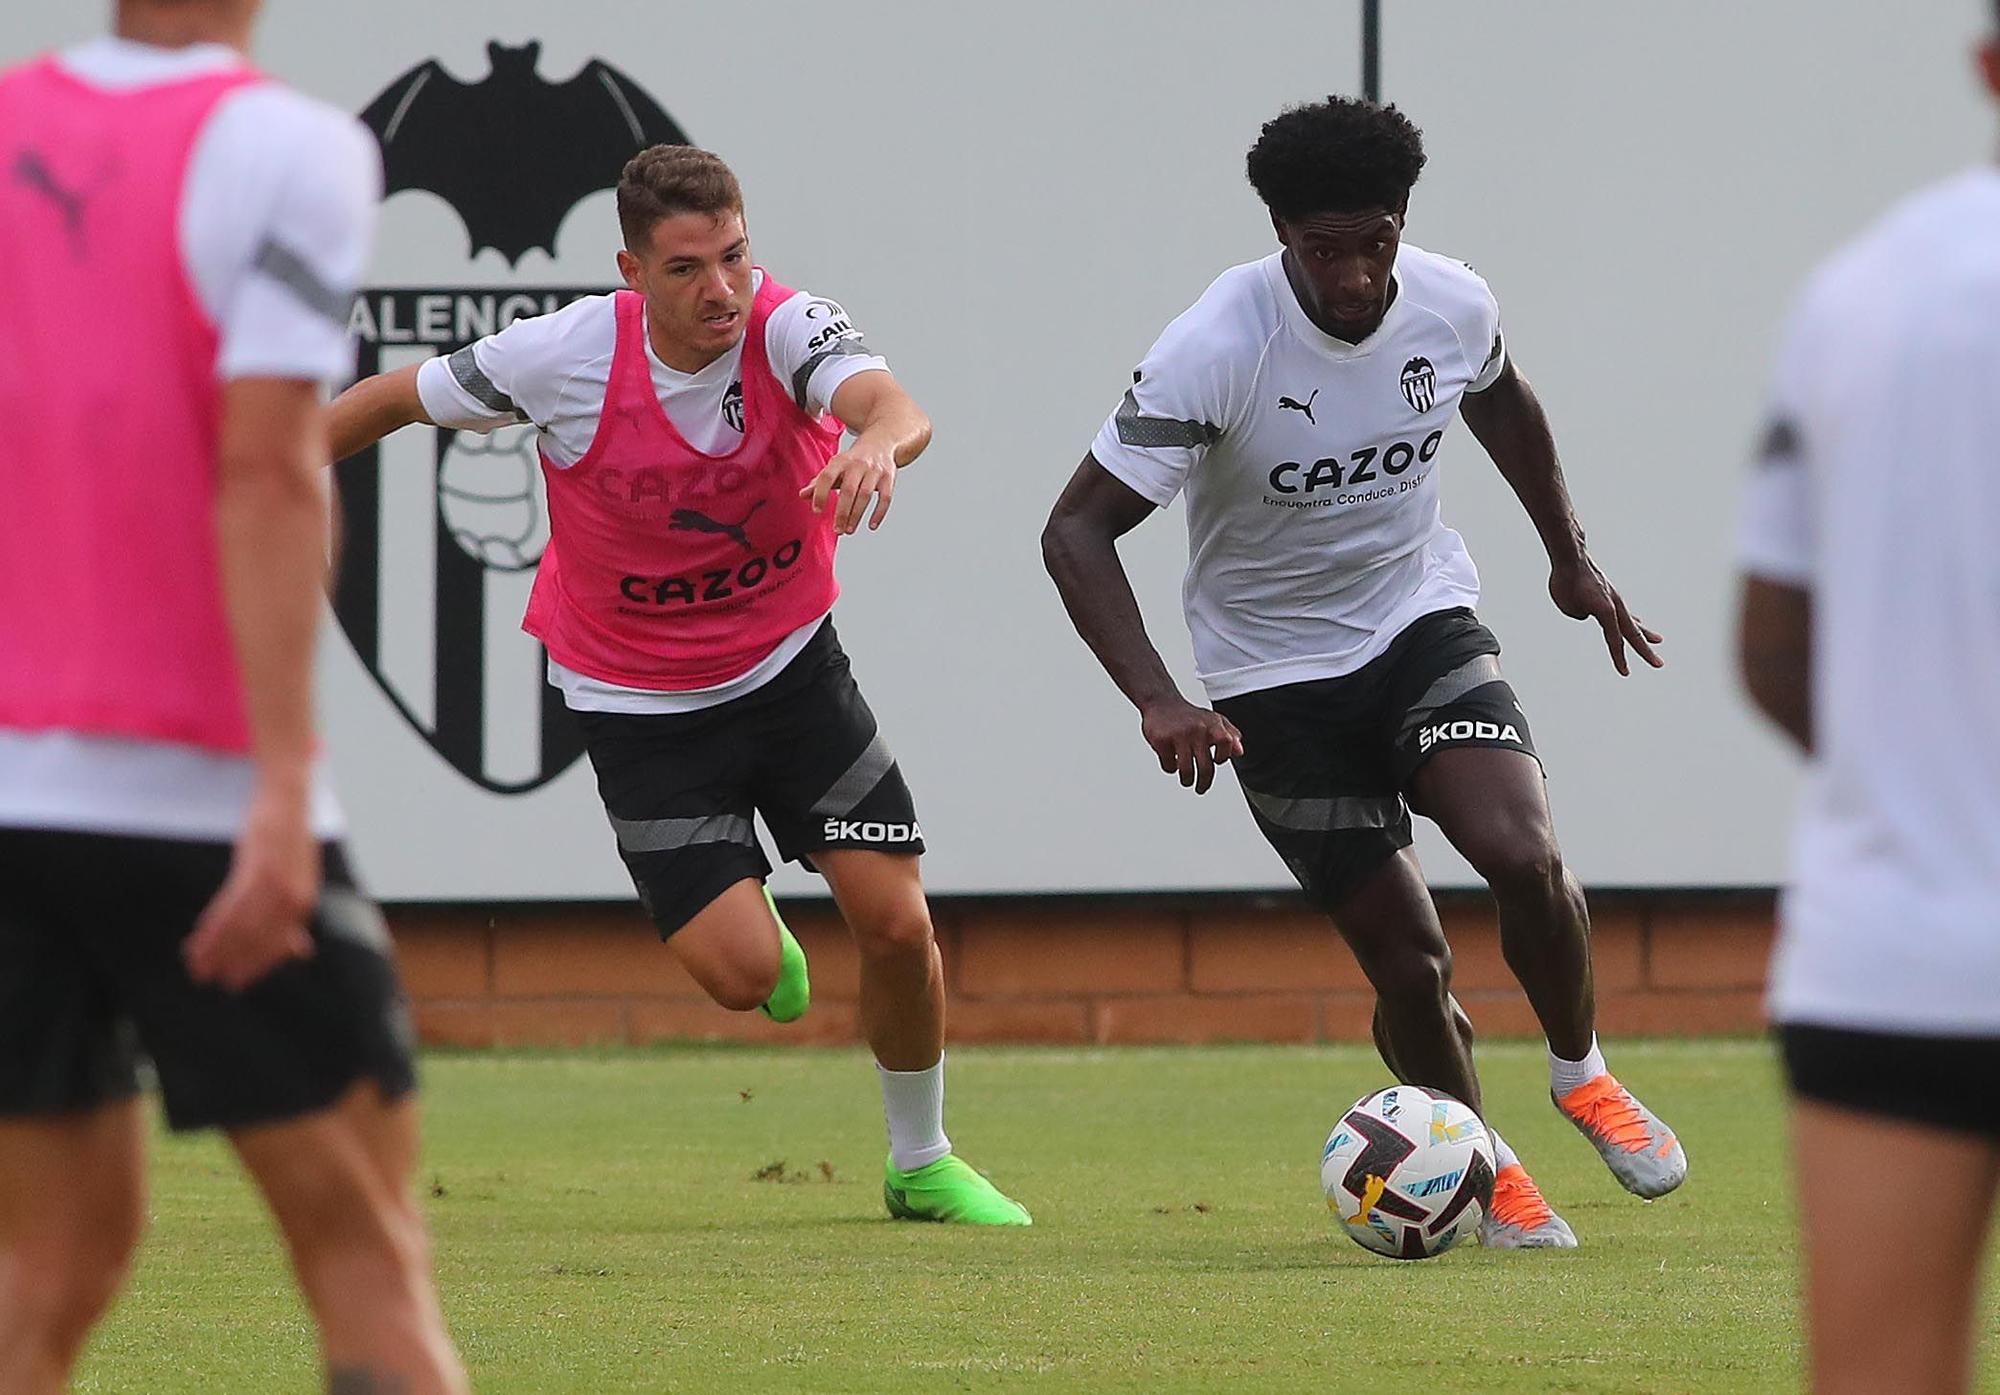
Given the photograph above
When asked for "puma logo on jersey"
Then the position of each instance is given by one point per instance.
(695, 521)
(1292, 404)
(32, 172)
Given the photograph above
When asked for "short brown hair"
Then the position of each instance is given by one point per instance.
(663, 180)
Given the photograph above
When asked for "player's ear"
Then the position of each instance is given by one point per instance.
(1278, 226)
(628, 267)
(1989, 64)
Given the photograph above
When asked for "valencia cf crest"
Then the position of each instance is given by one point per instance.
(442, 529)
(1419, 385)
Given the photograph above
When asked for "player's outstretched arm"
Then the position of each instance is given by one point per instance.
(373, 408)
(271, 522)
(1774, 653)
(1508, 420)
(890, 430)
(1080, 549)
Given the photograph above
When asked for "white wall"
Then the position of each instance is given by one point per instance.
(1013, 201)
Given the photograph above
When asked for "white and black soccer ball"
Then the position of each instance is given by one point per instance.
(493, 499)
(1409, 1172)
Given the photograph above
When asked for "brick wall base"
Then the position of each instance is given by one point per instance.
(1072, 969)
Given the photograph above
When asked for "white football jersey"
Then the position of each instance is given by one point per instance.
(1309, 465)
(1879, 494)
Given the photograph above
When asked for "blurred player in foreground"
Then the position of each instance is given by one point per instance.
(1300, 404)
(179, 241)
(690, 433)
(1870, 632)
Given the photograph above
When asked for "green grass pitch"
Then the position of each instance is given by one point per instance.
(696, 1220)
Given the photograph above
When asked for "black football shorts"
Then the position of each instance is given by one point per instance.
(1943, 1082)
(803, 751)
(91, 980)
(1327, 763)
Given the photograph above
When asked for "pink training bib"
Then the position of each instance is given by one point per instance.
(668, 568)
(111, 609)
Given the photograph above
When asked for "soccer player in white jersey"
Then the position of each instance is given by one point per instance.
(1300, 404)
(180, 239)
(690, 432)
(1870, 632)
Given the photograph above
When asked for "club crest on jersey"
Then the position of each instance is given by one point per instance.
(1419, 384)
(443, 530)
(732, 405)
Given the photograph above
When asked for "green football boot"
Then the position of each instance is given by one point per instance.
(793, 995)
(949, 1190)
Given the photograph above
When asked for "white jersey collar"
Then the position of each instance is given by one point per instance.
(109, 61)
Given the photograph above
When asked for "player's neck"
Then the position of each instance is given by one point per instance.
(183, 25)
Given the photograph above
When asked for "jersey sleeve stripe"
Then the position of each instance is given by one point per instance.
(465, 370)
(802, 379)
(290, 270)
(1154, 433)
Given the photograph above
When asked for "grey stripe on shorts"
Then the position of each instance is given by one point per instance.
(664, 835)
(861, 777)
(1475, 672)
(1324, 815)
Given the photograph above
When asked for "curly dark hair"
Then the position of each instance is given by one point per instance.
(1342, 155)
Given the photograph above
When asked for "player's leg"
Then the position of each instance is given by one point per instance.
(742, 954)
(1890, 1287)
(72, 1204)
(1892, 1283)
(1378, 1028)
(835, 800)
(881, 897)
(311, 1073)
(1391, 924)
(1491, 804)
(1467, 759)
(676, 789)
(338, 1182)
(71, 1163)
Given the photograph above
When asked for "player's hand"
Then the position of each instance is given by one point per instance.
(1190, 741)
(854, 477)
(257, 921)
(1581, 592)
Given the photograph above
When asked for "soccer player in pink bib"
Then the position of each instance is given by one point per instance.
(179, 242)
(690, 434)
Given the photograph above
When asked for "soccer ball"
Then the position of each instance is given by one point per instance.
(1409, 1172)
(493, 499)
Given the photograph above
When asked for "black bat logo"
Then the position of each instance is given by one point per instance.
(513, 153)
(695, 521)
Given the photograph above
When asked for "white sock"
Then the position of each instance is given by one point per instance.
(1565, 1076)
(1503, 1156)
(913, 1103)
